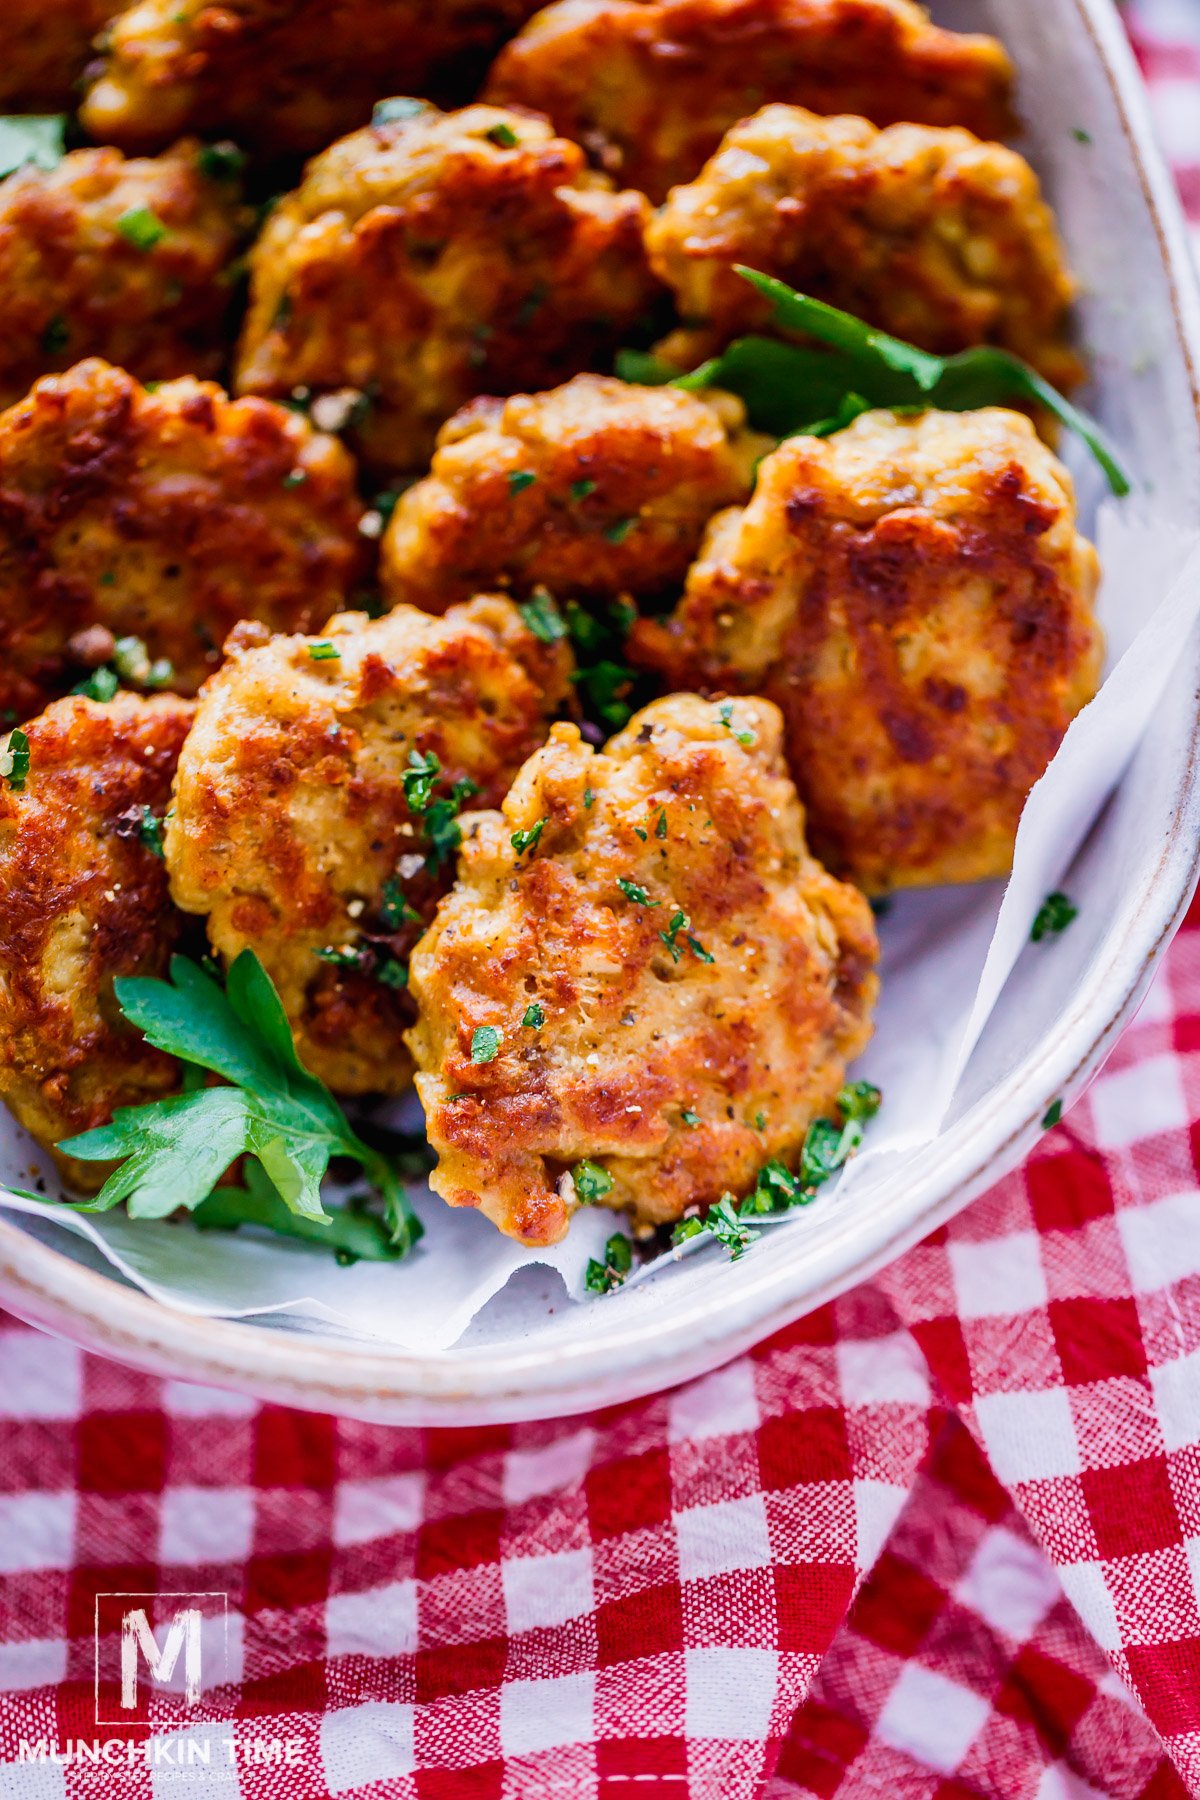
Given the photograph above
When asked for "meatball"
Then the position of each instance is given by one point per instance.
(922, 230)
(43, 50)
(914, 595)
(650, 86)
(314, 813)
(597, 488)
(642, 968)
(83, 898)
(284, 75)
(436, 256)
(164, 517)
(128, 260)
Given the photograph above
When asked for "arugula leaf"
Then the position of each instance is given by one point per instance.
(791, 389)
(274, 1110)
(34, 140)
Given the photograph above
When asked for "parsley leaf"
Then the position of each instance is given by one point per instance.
(352, 1233)
(394, 909)
(519, 479)
(141, 227)
(592, 1181)
(442, 830)
(744, 736)
(579, 490)
(14, 760)
(323, 651)
(542, 616)
(527, 840)
(603, 1277)
(534, 1018)
(632, 891)
(485, 1043)
(418, 779)
(150, 832)
(1053, 915)
(172, 1152)
(502, 135)
(1052, 1115)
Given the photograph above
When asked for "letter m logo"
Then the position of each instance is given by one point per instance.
(139, 1641)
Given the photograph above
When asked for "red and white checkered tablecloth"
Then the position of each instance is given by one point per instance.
(939, 1541)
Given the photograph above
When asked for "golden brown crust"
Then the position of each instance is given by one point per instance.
(913, 594)
(290, 819)
(425, 261)
(83, 899)
(767, 998)
(44, 45)
(650, 86)
(924, 231)
(284, 75)
(75, 283)
(166, 516)
(595, 489)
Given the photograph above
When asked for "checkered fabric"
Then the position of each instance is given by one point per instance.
(940, 1540)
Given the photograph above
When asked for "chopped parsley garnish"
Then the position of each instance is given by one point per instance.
(442, 830)
(744, 737)
(502, 135)
(681, 922)
(100, 685)
(640, 831)
(619, 530)
(150, 832)
(589, 798)
(519, 479)
(324, 651)
(660, 826)
(141, 228)
(221, 162)
(527, 840)
(543, 618)
(343, 956)
(172, 1152)
(485, 1043)
(1080, 135)
(423, 769)
(580, 490)
(828, 1146)
(33, 140)
(391, 972)
(394, 909)
(56, 335)
(592, 1181)
(633, 891)
(14, 760)
(1053, 915)
(534, 1018)
(387, 112)
(132, 661)
(1052, 1115)
(603, 1277)
(387, 970)
(294, 478)
(760, 1121)
(691, 1119)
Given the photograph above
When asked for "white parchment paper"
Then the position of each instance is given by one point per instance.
(947, 955)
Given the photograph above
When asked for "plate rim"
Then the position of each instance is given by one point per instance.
(49, 1289)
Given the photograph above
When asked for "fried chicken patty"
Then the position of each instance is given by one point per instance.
(164, 516)
(595, 489)
(313, 812)
(436, 256)
(922, 230)
(650, 86)
(127, 260)
(83, 899)
(641, 967)
(284, 75)
(914, 595)
(43, 50)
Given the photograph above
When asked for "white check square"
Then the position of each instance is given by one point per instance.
(542, 1591)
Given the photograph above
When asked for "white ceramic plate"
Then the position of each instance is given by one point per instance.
(527, 1357)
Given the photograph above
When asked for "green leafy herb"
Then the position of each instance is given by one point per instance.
(56, 335)
(534, 1018)
(173, 1151)
(220, 162)
(503, 135)
(132, 662)
(660, 827)
(632, 891)
(343, 956)
(443, 833)
(14, 760)
(619, 530)
(1052, 1115)
(353, 1234)
(294, 478)
(1080, 135)
(324, 651)
(744, 736)
(592, 1181)
(794, 388)
(150, 832)
(33, 140)
(391, 972)
(527, 840)
(645, 370)
(1053, 915)
(100, 685)
(394, 909)
(603, 1277)
(519, 479)
(582, 488)
(680, 922)
(589, 798)
(485, 1043)
(418, 779)
(691, 1119)
(141, 228)
(640, 831)
(543, 617)
(387, 112)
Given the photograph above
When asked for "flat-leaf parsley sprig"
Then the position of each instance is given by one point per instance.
(828, 1146)
(174, 1151)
